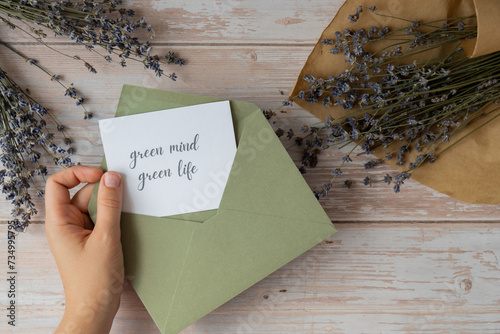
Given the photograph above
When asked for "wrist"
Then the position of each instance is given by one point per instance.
(88, 318)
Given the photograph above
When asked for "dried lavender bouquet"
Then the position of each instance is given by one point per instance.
(395, 103)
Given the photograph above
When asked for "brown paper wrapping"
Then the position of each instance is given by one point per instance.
(468, 171)
(487, 12)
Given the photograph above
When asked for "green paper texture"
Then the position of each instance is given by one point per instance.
(184, 266)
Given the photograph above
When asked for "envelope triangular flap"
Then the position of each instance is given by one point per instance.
(265, 180)
(137, 100)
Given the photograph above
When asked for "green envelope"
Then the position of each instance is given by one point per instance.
(184, 266)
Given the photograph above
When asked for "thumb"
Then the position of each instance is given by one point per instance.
(109, 206)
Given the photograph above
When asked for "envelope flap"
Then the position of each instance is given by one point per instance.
(265, 180)
(137, 100)
(231, 252)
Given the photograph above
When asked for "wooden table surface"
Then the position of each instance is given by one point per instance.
(414, 262)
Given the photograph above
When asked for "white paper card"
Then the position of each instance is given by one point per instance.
(172, 161)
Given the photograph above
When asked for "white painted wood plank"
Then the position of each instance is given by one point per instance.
(249, 73)
(224, 21)
(367, 278)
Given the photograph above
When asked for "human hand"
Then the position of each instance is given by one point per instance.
(89, 259)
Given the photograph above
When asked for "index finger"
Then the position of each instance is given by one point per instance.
(58, 185)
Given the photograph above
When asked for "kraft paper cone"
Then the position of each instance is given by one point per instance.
(468, 171)
(487, 12)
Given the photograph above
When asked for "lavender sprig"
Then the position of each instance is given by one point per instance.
(69, 90)
(23, 139)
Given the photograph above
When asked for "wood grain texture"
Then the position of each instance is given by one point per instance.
(367, 278)
(416, 262)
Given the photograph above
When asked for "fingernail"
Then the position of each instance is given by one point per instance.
(112, 180)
